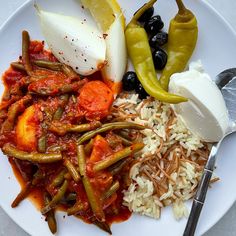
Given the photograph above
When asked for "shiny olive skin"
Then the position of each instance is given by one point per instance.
(146, 15)
(142, 94)
(154, 25)
(159, 59)
(158, 40)
(130, 81)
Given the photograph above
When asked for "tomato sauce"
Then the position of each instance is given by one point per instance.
(91, 103)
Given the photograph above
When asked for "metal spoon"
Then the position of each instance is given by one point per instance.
(226, 82)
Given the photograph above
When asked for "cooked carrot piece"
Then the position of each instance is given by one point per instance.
(96, 99)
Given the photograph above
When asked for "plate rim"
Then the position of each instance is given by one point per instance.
(19, 9)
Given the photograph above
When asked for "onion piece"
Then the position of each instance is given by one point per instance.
(73, 41)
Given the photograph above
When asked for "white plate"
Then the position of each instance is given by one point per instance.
(216, 48)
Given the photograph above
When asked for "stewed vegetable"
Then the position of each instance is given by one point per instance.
(57, 135)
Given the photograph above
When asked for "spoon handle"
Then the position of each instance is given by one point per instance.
(200, 196)
(193, 218)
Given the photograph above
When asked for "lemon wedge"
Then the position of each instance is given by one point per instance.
(110, 19)
(104, 12)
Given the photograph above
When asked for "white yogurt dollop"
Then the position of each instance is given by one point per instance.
(205, 114)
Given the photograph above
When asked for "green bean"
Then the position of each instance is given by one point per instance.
(59, 112)
(71, 197)
(12, 151)
(56, 148)
(73, 87)
(85, 127)
(114, 187)
(126, 135)
(58, 180)
(56, 199)
(61, 89)
(67, 176)
(124, 141)
(103, 226)
(64, 99)
(117, 167)
(69, 71)
(22, 195)
(32, 78)
(62, 129)
(72, 170)
(48, 65)
(13, 111)
(88, 147)
(112, 159)
(52, 223)
(81, 160)
(25, 52)
(56, 66)
(50, 216)
(17, 66)
(107, 127)
(42, 143)
(92, 198)
(74, 210)
(116, 140)
(74, 98)
(38, 176)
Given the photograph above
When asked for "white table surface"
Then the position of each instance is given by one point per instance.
(226, 226)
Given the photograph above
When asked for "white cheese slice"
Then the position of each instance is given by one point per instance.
(205, 114)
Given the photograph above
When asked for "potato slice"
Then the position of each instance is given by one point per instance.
(26, 130)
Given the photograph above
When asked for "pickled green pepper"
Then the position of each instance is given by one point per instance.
(183, 33)
(140, 54)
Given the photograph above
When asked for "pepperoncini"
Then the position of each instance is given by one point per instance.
(183, 34)
(140, 54)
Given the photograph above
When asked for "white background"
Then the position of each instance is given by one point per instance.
(226, 226)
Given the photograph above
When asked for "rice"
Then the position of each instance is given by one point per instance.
(168, 169)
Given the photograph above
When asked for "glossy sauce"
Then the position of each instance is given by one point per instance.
(113, 208)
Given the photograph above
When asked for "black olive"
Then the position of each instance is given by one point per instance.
(158, 40)
(159, 59)
(146, 15)
(130, 81)
(142, 94)
(154, 25)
